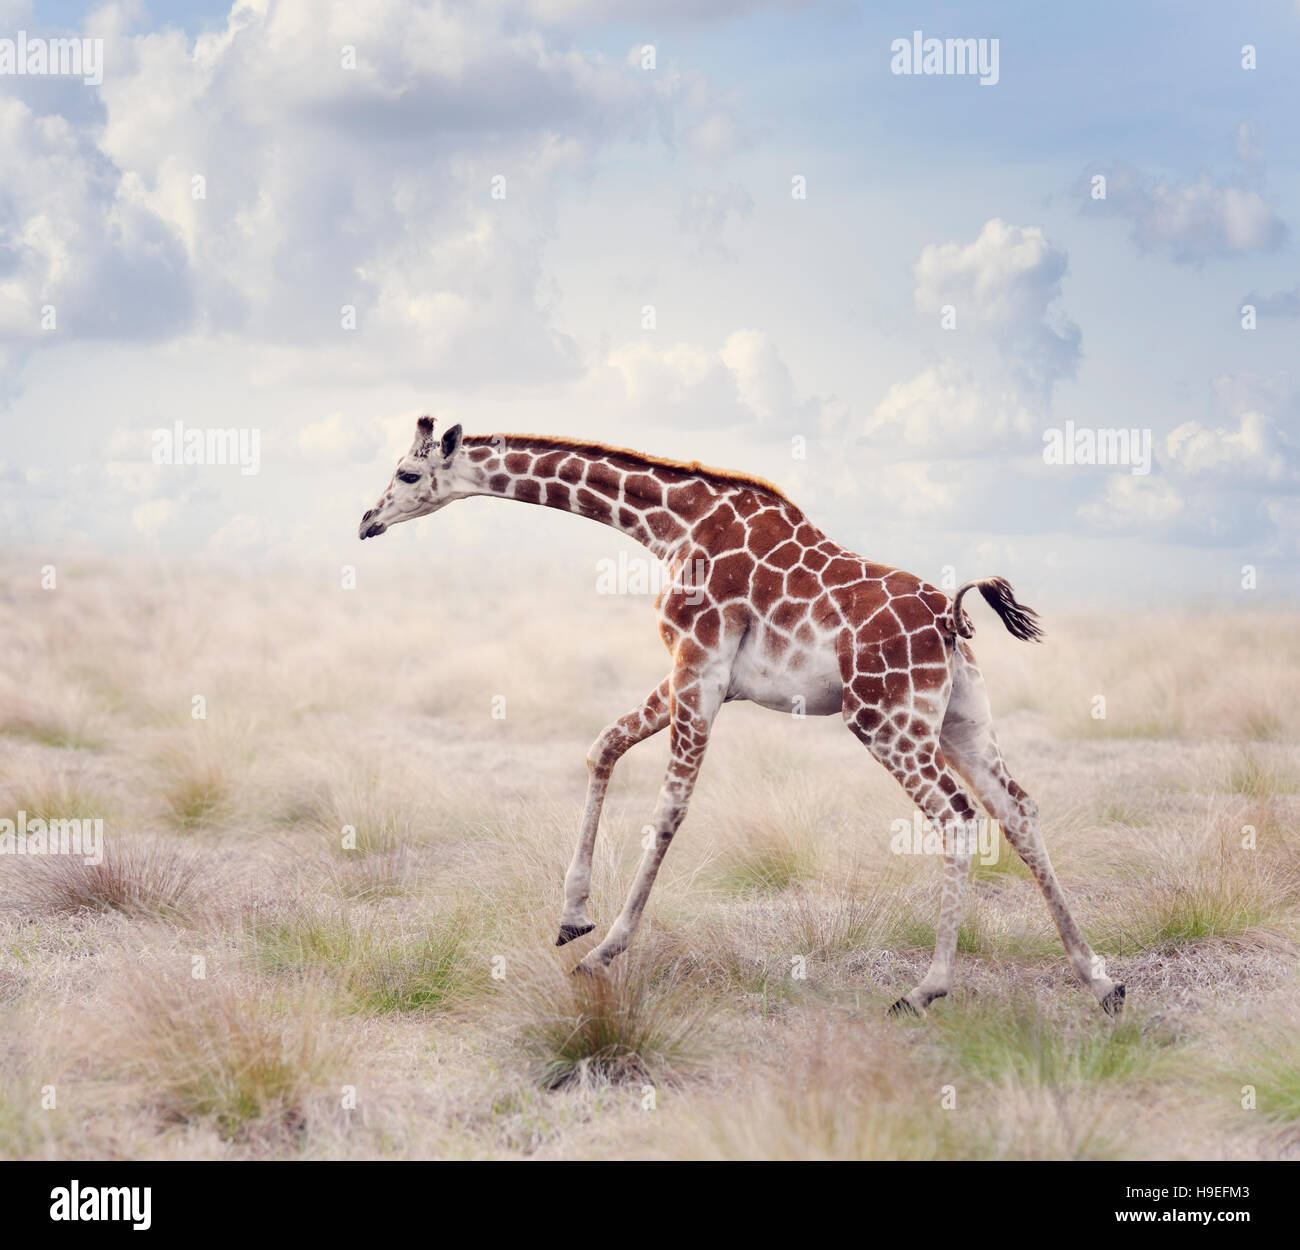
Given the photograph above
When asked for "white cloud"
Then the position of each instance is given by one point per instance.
(1003, 288)
(1190, 221)
(744, 383)
(1257, 452)
(1010, 346)
(763, 379)
(917, 492)
(947, 410)
(1216, 484)
(1143, 504)
(681, 384)
(248, 182)
(78, 244)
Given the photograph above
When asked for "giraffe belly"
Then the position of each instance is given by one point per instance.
(803, 680)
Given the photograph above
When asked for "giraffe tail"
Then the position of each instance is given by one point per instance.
(1021, 622)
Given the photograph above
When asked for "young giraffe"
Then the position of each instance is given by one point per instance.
(763, 606)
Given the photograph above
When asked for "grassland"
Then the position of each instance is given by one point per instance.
(323, 924)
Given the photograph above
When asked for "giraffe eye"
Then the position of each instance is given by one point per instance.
(408, 477)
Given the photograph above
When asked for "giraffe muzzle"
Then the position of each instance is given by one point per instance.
(370, 528)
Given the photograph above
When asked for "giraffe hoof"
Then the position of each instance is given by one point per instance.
(570, 931)
(904, 1008)
(584, 969)
(1113, 1003)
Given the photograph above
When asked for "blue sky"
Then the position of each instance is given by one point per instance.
(817, 319)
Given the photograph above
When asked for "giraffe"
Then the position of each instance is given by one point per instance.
(762, 606)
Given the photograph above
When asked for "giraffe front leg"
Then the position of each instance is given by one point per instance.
(669, 813)
(614, 741)
(694, 702)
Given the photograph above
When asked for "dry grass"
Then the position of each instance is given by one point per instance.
(365, 865)
(641, 1024)
(246, 1058)
(137, 879)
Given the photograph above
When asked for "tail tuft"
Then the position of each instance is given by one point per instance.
(1021, 622)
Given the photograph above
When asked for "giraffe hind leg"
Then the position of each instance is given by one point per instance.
(940, 796)
(917, 763)
(971, 746)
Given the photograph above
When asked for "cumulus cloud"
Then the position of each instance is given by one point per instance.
(1216, 484)
(1010, 346)
(744, 383)
(82, 253)
(679, 384)
(1002, 287)
(1256, 452)
(949, 409)
(261, 179)
(1164, 510)
(1141, 504)
(1190, 221)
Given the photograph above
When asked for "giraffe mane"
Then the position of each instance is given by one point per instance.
(721, 477)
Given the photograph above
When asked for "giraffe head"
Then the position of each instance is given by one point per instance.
(424, 482)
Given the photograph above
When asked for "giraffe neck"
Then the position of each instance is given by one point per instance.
(654, 504)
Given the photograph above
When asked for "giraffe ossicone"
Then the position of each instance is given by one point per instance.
(777, 612)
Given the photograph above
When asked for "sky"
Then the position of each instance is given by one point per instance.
(722, 230)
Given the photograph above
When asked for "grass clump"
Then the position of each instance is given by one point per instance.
(1020, 1041)
(1249, 773)
(197, 783)
(630, 1025)
(374, 970)
(135, 879)
(246, 1059)
(1233, 895)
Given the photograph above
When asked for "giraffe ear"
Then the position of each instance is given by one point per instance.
(423, 444)
(451, 441)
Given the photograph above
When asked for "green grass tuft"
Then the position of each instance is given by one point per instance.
(1020, 1041)
(374, 969)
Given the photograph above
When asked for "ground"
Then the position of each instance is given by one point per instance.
(324, 923)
